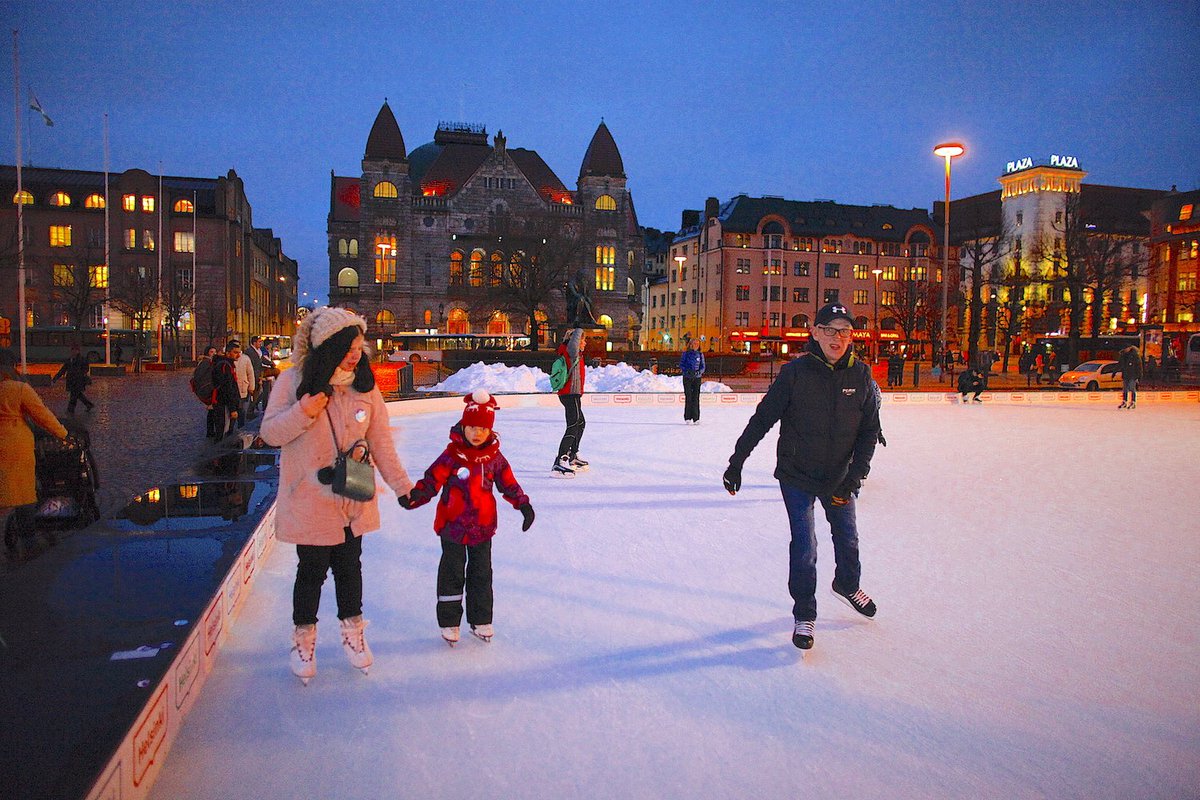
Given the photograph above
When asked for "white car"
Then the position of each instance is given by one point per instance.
(1093, 375)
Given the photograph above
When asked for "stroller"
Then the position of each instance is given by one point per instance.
(67, 482)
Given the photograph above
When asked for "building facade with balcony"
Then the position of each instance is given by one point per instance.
(1175, 267)
(1044, 234)
(220, 274)
(750, 274)
(455, 236)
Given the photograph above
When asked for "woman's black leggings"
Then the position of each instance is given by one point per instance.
(573, 404)
(345, 560)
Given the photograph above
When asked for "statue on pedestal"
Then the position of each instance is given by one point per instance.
(579, 304)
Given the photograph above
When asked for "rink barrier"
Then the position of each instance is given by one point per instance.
(426, 405)
(131, 771)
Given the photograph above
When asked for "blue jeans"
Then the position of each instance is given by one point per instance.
(802, 572)
(1129, 389)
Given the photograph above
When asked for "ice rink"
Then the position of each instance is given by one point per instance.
(1035, 568)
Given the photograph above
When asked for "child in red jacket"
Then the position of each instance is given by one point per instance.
(466, 515)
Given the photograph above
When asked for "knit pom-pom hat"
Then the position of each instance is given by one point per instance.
(319, 326)
(480, 411)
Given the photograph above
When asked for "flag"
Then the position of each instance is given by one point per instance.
(36, 106)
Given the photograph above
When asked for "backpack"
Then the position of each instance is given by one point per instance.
(202, 383)
(559, 373)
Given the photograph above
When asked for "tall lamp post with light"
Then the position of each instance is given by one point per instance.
(679, 311)
(385, 250)
(947, 151)
(877, 272)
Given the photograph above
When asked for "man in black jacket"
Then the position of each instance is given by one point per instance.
(77, 369)
(229, 397)
(827, 405)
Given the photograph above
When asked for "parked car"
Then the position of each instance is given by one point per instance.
(1092, 375)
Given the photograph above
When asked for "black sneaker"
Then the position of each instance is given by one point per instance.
(802, 636)
(858, 600)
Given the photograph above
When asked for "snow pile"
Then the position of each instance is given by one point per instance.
(501, 379)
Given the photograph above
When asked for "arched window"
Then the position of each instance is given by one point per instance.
(354, 247)
(888, 324)
(497, 274)
(456, 268)
(605, 203)
(543, 327)
(23, 197)
(476, 268)
(348, 279)
(498, 324)
(605, 320)
(516, 268)
(800, 321)
(458, 321)
(630, 287)
(94, 201)
(385, 189)
(60, 199)
(861, 323)
(385, 318)
(183, 207)
(629, 258)
(385, 259)
(343, 247)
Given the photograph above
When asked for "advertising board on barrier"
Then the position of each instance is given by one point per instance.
(149, 735)
(187, 670)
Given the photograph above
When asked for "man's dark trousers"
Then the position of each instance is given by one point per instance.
(802, 574)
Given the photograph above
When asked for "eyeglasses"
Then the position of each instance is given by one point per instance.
(828, 331)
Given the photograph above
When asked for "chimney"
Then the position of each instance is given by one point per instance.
(691, 218)
(711, 207)
(500, 141)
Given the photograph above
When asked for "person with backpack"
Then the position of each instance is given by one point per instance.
(227, 395)
(204, 389)
(77, 369)
(691, 364)
(570, 393)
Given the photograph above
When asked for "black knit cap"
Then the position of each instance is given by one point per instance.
(831, 311)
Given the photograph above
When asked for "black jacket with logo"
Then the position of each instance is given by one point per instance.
(829, 423)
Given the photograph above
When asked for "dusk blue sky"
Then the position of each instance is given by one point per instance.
(842, 101)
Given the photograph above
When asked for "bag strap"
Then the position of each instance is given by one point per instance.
(338, 448)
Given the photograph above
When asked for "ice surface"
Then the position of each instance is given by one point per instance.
(620, 377)
(1035, 569)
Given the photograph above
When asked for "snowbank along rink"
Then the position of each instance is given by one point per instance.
(1035, 568)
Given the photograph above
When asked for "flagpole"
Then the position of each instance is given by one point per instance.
(195, 246)
(20, 208)
(161, 244)
(107, 263)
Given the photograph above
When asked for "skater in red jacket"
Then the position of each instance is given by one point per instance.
(466, 515)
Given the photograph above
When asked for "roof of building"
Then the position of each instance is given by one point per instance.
(454, 165)
(41, 181)
(602, 157)
(385, 141)
(1118, 209)
(742, 214)
(539, 174)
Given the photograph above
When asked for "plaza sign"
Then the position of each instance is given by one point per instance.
(1062, 162)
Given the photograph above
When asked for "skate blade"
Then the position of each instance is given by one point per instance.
(555, 474)
(450, 642)
(850, 605)
(481, 638)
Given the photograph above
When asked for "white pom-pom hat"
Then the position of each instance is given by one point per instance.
(318, 326)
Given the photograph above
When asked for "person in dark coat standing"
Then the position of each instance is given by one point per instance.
(254, 353)
(827, 405)
(1131, 373)
(692, 365)
(971, 382)
(78, 373)
(229, 396)
(895, 369)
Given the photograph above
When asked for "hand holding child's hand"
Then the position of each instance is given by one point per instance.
(405, 501)
(526, 512)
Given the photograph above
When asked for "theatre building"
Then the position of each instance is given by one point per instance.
(749, 274)
(453, 236)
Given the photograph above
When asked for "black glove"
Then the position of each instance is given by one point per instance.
(405, 501)
(732, 478)
(846, 489)
(882, 440)
(526, 512)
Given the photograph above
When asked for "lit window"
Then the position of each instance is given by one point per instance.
(605, 320)
(343, 247)
(64, 275)
(94, 201)
(497, 324)
(605, 278)
(385, 317)
(476, 268)
(148, 204)
(606, 255)
(60, 199)
(456, 268)
(428, 316)
(184, 207)
(130, 238)
(23, 197)
(347, 278)
(385, 259)
(458, 321)
(385, 189)
(1185, 212)
(605, 203)
(185, 242)
(60, 235)
(98, 276)
(129, 202)
(148, 239)
(354, 247)
(860, 297)
(497, 274)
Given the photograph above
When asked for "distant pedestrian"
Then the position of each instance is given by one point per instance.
(568, 462)
(1039, 367)
(1131, 372)
(117, 351)
(19, 404)
(205, 389)
(244, 371)
(971, 382)
(895, 369)
(692, 365)
(948, 365)
(78, 372)
(225, 381)
(254, 354)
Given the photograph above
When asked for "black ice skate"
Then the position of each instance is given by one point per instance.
(802, 636)
(562, 468)
(858, 600)
(578, 464)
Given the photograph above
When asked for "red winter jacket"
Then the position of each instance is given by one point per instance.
(466, 511)
(575, 368)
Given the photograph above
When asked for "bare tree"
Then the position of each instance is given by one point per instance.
(135, 294)
(1009, 314)
(911, 303)
(984, 247)
(78, 289)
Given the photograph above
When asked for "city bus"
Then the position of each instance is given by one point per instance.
(425, 346)
(52, 343)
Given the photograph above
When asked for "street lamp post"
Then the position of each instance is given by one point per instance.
(876, 272)
(679, 311)
(947, 151)
(384, 249)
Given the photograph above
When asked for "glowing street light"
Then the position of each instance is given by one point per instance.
(679, 261)
(947, 151)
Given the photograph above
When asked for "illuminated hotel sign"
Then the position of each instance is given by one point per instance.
(1062, 162)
